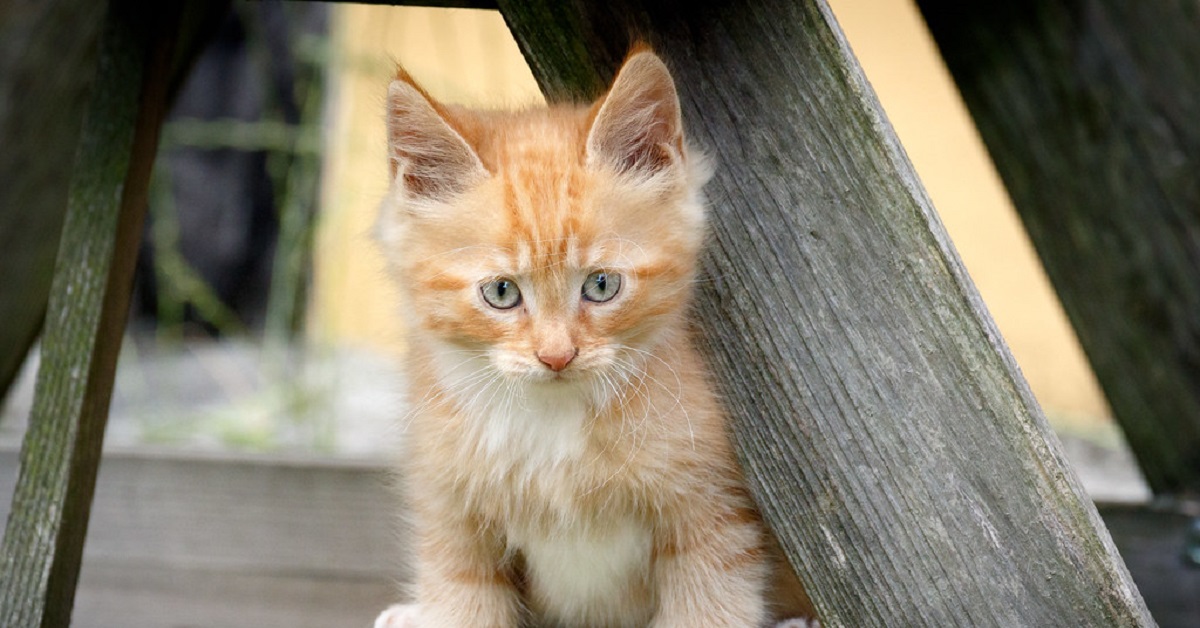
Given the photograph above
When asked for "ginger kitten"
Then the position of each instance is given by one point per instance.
(567, 461)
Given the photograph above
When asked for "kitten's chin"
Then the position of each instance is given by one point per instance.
(547, 377)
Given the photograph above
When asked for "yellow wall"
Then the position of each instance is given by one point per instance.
(467, 56)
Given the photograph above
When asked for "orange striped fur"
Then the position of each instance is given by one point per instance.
(567, 461)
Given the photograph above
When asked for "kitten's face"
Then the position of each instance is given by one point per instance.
(553, 244)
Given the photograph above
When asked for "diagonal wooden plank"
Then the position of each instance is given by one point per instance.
(47, 63)
(887, 433)
(47, 59)
(88, 305)
(1089, 111)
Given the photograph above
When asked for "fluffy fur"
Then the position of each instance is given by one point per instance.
(567, 460)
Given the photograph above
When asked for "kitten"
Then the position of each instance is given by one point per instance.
(567, 462)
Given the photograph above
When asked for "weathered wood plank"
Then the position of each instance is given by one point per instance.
(152, 595)
(47, 64)
(298, 516)
(171, 536)
(1089, 110)
(47, 58)
(178, 538)
(86, 315)
(887, 433)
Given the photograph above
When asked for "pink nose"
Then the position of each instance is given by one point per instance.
(557, 360)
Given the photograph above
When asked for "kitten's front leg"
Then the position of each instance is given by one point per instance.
(461, 581)
(712, 573)
(400, 616)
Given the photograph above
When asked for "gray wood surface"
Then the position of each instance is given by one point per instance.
(89, 300)
(888, 435)
(222, 542)
(1090, 110)
(225, 541)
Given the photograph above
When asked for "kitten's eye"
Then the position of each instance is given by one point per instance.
(601, 286)
(501, 294)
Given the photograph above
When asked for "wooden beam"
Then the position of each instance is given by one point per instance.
(1089, 110)
(88, 305)
(887, 433)
(45, 77)
(45, 71)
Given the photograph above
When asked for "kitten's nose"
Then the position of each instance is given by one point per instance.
(557, 359)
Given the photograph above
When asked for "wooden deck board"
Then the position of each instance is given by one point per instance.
(231, 543)
(180, 540)
(113, 594)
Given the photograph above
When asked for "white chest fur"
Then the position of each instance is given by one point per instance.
(582, 567)
(580, 574)
(542, 428)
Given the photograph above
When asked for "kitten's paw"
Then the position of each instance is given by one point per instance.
(399, 616)
(798, 623)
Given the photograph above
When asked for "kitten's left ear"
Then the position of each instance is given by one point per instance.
(433, 158)
(638, 126)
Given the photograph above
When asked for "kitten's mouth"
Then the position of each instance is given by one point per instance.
(560, 377)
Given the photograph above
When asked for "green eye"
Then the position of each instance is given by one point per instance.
(501, 294)
(600, 286)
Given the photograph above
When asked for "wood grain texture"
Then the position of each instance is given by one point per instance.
(178, 538)
(88, 305)
(1089, 111)
(181, 539)
(887, 433)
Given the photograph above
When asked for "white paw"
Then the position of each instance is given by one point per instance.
(399, 616)
(798, 623)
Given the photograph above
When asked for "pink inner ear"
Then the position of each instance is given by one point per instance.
(434, 158)
(638, 126)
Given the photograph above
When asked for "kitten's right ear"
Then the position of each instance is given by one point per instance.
(432, 158)
(637, 126)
